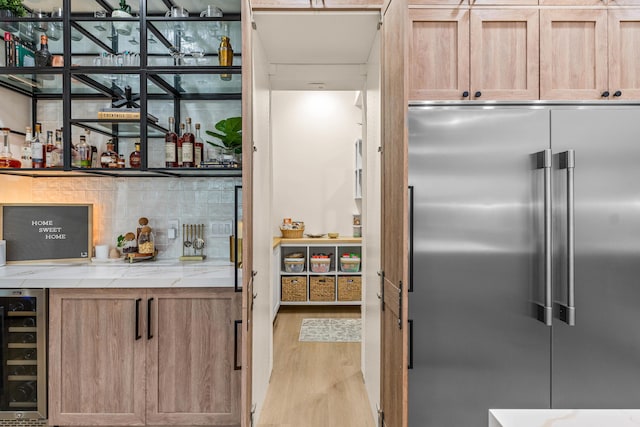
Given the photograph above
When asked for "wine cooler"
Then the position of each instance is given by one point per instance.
(23, 385)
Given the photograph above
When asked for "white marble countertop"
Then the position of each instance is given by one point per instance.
(147, 274)
(564, 418)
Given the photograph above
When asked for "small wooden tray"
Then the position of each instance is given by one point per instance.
(136, 257)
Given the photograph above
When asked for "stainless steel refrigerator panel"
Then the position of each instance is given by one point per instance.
(478, 266)
(596, 363)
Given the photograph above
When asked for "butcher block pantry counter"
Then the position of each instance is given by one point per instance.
(150, 274)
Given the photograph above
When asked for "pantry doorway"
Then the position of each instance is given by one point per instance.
(308, 118)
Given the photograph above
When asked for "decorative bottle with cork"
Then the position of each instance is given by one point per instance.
(146, 245)
(43, 56)
(225, 56)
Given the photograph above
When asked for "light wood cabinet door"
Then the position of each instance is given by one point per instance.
(438, 2)
(504, 2)
(96, 363)
(316, 4)
(624, 3)
(574, 2)
(624, 60)
(192, 353)
(504, 54)
(438, 54)
(282, 4)
(573, 54)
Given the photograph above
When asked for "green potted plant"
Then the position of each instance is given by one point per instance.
(11, 8)
(229, 133)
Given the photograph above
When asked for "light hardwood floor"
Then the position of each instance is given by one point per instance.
(314, 384)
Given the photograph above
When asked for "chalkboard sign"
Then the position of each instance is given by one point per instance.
(39, 232)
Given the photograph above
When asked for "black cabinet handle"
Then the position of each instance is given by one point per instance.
(149, 334)
(617, 93)
(236, 366)
(478, 94)
(410, 343)
(605, 94)
(465, 94)
(138, 301)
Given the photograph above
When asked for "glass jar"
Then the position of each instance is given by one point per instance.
(146, 244)
(130, 244)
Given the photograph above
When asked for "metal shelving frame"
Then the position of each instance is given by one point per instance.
(145, 72)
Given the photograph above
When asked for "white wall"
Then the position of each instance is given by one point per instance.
(371, 230)
(313, 159)
(263, 236)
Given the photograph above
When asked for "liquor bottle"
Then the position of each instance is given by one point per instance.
(10, 49)
(59, 158)
(25, 155)
(109, 158)
(6, 158)
(84, 152)
(198, 147)
(134, 157)
(37, 149)
(188, 142)
(179, 145)
(170, 146)
(43, 56)
(225, 56)
(121, 162)
(51, 158)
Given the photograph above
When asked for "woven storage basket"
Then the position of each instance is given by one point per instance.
(322, 288)
(292, 234)
(349, 288)
(294, 288)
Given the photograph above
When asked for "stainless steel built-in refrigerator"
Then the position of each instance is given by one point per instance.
(525, 263)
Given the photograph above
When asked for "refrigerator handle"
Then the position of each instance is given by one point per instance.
(545, 310)
(567, 313)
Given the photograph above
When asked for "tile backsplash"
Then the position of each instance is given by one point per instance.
(119, 202)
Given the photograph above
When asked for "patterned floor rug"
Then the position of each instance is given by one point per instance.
(330, 330)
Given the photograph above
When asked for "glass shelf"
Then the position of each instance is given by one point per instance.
(30, 29)
(159, 7)
(202, 35)
(101, 36)
(110, 85)
(197, 85)
(31, 83)
(119, 128)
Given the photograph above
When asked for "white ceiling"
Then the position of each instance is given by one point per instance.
(317, 50)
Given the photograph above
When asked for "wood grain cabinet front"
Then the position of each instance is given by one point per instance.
(438, 54)
(144, 357)
(573, 54)
(476, 54)
(315, 4)
(624, 61)
(590, 54)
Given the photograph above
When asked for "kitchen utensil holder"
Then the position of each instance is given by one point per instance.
(193, 242)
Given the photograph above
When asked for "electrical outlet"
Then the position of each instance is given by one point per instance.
(172, 228)
(221, 228)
